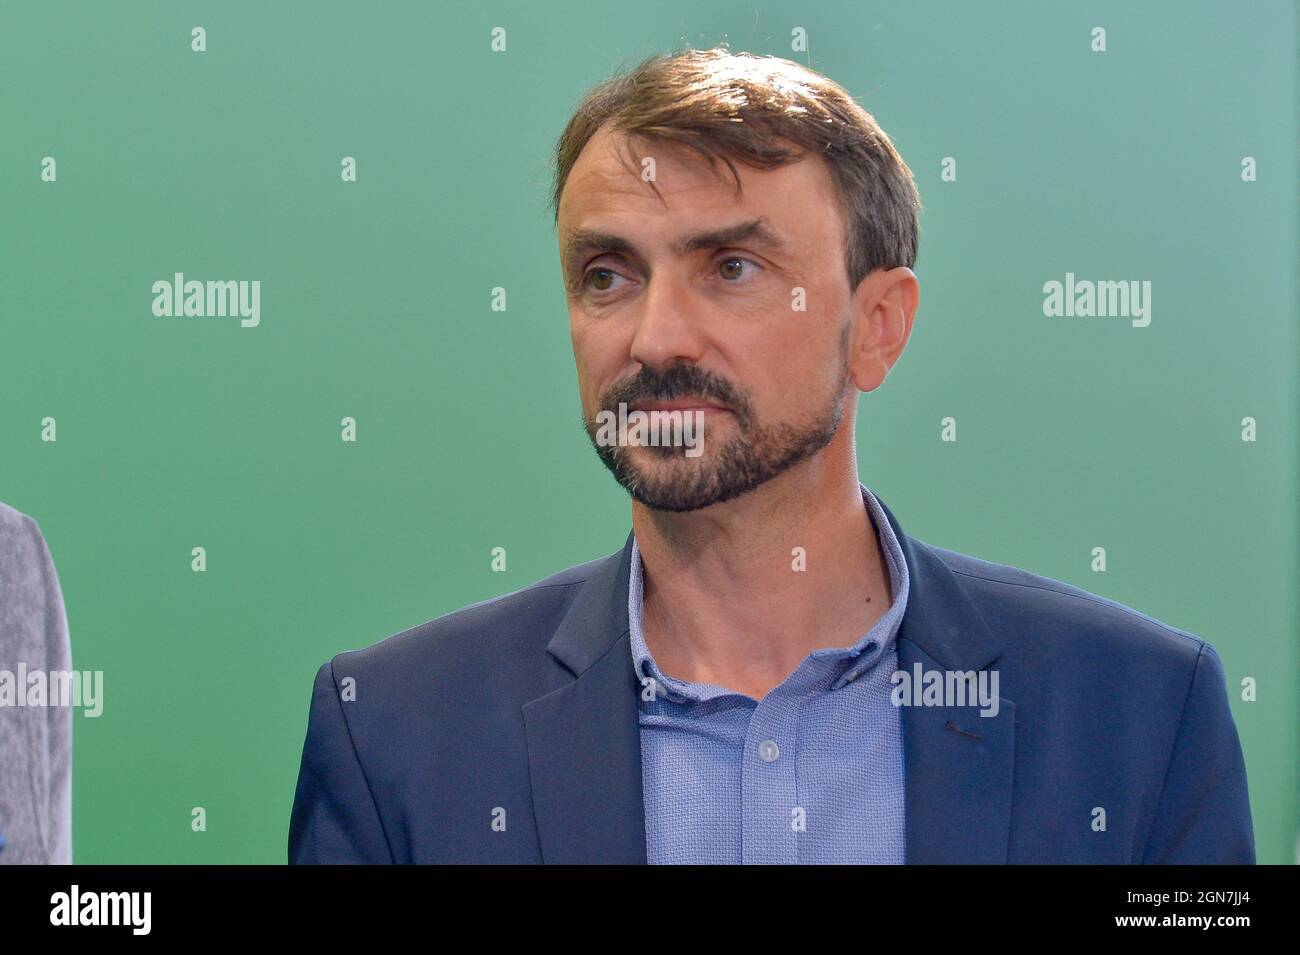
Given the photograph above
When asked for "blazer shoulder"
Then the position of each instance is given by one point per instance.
(1013, 600)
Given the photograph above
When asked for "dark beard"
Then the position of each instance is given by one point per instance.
(753, 456)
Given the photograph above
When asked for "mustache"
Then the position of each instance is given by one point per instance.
(674, 382)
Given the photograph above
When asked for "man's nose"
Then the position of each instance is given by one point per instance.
(668, 326)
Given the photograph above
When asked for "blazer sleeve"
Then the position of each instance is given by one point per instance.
(334, 819)
(1203, 815)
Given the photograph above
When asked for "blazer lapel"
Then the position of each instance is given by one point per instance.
(958, 764)
(584, 740)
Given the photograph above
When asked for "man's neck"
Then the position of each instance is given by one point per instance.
(725, 601)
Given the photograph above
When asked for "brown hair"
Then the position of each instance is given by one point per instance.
(752, 108)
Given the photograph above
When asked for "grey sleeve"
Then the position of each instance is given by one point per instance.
(35, 741)
(58, 656)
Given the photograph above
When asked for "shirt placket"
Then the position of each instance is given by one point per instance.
(770, 814)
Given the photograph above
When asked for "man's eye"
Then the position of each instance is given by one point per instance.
(726, 269)
(603, 274)
(602, 279)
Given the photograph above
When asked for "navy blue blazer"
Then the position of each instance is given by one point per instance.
(508, 731)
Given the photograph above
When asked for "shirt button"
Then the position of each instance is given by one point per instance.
(768, 751)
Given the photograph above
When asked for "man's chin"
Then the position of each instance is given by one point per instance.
(673, 500)
(677, 485)
(664, 479)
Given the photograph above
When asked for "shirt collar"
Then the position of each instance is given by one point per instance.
(861, 657)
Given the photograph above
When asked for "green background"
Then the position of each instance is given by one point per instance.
(172, 433)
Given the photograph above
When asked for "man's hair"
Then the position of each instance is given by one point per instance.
(765, 112)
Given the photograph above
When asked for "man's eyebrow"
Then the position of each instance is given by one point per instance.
(754, 231)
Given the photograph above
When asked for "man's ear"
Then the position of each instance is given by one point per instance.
(883, 309)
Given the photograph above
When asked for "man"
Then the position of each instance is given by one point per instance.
(35, 740)
(771, 669)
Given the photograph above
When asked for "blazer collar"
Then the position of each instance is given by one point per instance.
(584, 744)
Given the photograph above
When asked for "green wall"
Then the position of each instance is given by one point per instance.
(376, 304)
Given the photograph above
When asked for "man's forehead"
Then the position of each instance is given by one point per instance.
(612, 170)
(689, 192)
(693, 198)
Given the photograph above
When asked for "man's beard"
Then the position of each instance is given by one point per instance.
(753, 455)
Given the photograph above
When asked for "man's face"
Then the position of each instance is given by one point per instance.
(751, 328)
